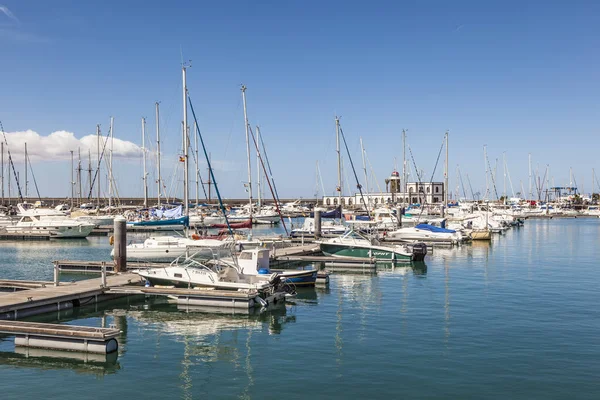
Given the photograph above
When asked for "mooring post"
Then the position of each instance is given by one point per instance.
(120, 244)
(317, 224)
(103, 274)
(399, 215)
(56, 274)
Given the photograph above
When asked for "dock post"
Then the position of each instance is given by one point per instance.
(120, 244)
(103, 274)
(317, 224)
(56, 274)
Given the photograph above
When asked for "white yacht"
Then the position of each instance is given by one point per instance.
(35, 225)
(168, 248)
(328, 228)
(426, 233)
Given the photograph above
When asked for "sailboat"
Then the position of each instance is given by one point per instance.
(168, 248)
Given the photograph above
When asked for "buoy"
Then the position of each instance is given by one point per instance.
(195, 237)
(111, 240)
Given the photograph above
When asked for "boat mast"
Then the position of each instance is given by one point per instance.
(446, 173)
(98, 154)
(486, 171)
(258, 169)
(186, 143)
(157, 154)
(404, 167)
(89, 170)
(197, 165)
(72, 182)
(365, 171)
(145, 177)
(79, 173)
(2, 169)
(110, 164)
(504, 162)
(530, 194)
(26, 192)
(339, 160)
(247, 149)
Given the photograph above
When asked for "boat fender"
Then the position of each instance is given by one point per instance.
(263, 271)
(111, 240)
(195, 237)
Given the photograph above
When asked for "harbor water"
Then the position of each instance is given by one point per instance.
(518, 318)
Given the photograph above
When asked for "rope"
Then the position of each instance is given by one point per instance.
(358, 185)
(10, 161)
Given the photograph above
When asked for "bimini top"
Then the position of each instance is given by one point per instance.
(431, 228)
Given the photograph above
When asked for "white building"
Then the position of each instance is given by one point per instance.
(416, 193)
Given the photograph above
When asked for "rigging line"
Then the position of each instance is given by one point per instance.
(99, 163)
(269, 166)
(492, 176)
(34, 181)
(470, 188)
(373, 172)
(268, 180)
(197, 164)
(212, 174)
(358, 185)
(461, 182)
(10, 162)
(437, 161)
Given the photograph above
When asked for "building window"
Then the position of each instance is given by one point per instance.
(343, 201)
(376, 200)
(428, 189)
(335, 202)
(437, 189)
(328, 201)
(349, 202)
(435, 199)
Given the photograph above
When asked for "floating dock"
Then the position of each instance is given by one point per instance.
(24, 303)
(62, 337)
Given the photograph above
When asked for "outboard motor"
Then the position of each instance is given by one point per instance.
(419, 251)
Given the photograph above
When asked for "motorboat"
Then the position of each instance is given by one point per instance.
(353, 244)
(168, 248)
(256, 262)
(34, 225)
(328, 228)
(426, 233)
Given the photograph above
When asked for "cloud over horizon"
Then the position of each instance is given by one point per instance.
(57, 146)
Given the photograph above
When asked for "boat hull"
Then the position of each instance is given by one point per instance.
(340, 250)
(300, 278)
(58, 232)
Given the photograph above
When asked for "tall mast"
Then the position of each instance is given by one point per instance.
(110, 164)
(98, 155)
(79, 174)
(158, 155)
(258, 168)
(2, 169)
(209, 181)
(404, 178)
(26, 192)
(362, 148)
(89, 170)
(186, 143)
(247, 149)
(72, 182)
(530, 195)
(446, 173)
(339, 160)
(145, 177)
(504, 162)
(486, 171)
(591, 196)
(197, 164)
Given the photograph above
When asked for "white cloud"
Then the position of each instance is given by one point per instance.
(57, 146)
(8, 13)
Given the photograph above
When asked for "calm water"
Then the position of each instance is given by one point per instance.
(516, 319)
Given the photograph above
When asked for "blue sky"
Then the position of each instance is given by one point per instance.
(519, 77)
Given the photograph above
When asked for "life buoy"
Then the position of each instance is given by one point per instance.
(111, 240)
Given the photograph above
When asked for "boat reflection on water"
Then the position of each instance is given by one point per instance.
(417, 268)
(88, 363)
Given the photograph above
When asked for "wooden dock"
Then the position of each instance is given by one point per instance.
(95, 267)
(23, 303)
